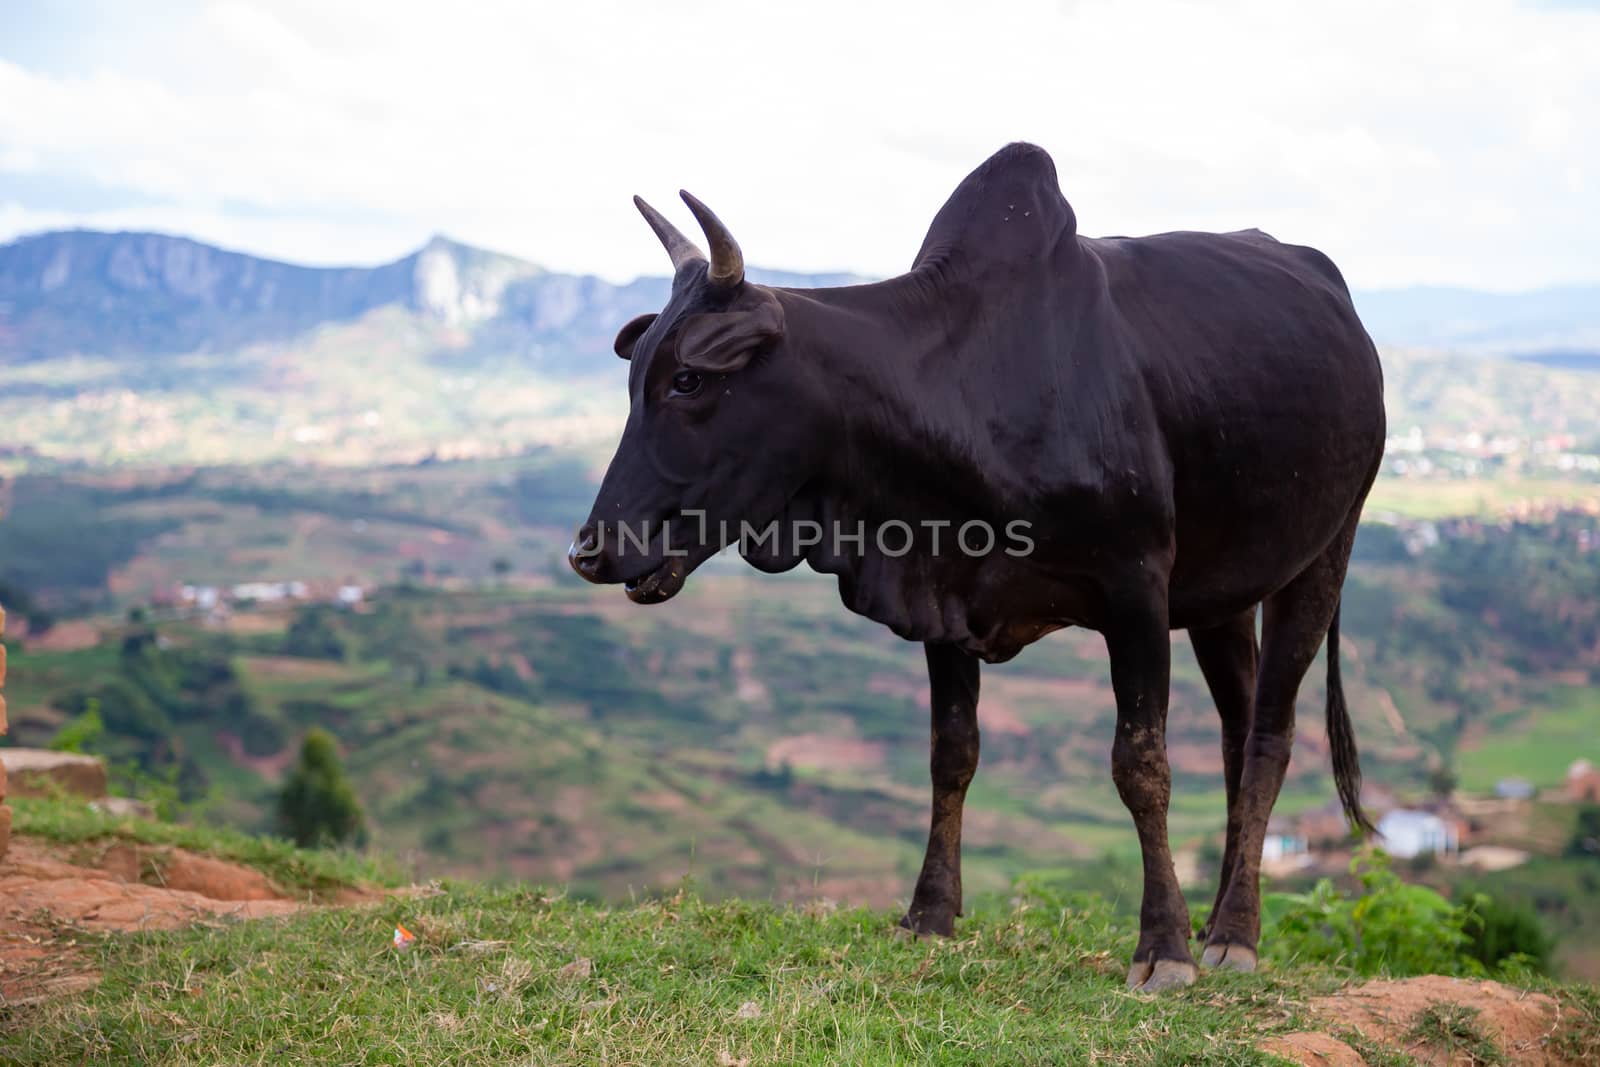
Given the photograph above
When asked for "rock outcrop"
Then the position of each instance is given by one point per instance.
(38, 772)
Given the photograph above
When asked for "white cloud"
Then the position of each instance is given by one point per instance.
(1413, 142)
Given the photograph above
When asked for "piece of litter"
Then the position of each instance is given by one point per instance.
(748, 1010)
(403, 937)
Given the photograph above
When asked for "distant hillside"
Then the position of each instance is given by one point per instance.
(147, 348)
(137, 347)
(87, 293)
(83, 293)
(1542, 322)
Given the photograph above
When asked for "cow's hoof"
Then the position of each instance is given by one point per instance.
(1229, 957)
(1159, 975)
(927, 924)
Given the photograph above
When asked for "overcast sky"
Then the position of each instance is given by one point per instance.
(1452, 142)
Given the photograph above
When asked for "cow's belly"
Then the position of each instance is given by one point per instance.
(1239, 541)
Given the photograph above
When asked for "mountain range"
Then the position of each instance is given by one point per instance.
(82, 292)
(144, 348)
(1546, 324)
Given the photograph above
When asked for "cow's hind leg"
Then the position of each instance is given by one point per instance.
(953, 759)
(1227, 654)
(1141, 661)
(1294, 622)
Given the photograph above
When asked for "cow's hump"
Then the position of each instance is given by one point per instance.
(1007, 211)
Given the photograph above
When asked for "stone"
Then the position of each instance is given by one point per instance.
(123, 807)
(5, 829)
(37, 772)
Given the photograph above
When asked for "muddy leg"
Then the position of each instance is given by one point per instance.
(1141, 652)
(1227, 655)
(1294, 622)
(953, 682)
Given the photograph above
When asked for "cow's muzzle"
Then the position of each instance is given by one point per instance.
(584, 555)
(646, 581)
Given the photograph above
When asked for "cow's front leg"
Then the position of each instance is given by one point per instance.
(1141, 653)
(953, 685)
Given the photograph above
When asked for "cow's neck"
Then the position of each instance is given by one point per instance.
(929, 393)
(936, 423)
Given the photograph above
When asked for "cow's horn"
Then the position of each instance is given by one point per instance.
(680, 248)
(727, 262)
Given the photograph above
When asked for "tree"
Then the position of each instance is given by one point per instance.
(311, 635)
(1586, 835)
(19, 603)
(318, 807)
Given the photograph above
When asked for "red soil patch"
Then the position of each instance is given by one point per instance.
(65, 637)
(269, 767)
(996, 716)
(825, 752)
(1309, 1047)
(130, 887)
(1524, 1027)
(257, 621)
(1195, 757)
(49, 890)
(187, 872)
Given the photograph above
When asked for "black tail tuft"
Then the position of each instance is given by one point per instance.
(1342, 741)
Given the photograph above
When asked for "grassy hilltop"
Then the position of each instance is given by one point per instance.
(519, 974)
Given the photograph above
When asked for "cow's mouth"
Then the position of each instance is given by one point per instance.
(661, 584)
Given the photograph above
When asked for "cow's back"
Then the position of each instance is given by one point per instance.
(1267, 393)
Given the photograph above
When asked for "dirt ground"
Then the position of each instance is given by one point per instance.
(49, 892)
(1394, 1014)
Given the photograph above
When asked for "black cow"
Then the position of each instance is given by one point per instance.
(1157, 433)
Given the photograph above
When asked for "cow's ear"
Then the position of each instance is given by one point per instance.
(629, 335)
(723, 342)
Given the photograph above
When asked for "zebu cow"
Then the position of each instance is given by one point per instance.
(1185, 425)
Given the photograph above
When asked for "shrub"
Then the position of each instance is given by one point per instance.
(81, 731)
(317, 806)
(1388, 927)
(1502, 933)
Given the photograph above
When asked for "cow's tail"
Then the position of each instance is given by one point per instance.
(1342, 740)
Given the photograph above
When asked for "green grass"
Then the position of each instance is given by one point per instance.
(1417, 499)
(1455, 1029)
(1580, 1041)
(518, 975)
(495, 977)
(1372, 1052)
(70, 821)
(1543, 749)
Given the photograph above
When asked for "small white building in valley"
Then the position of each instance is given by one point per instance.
(1413, 833)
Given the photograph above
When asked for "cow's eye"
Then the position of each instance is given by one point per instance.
(686, 383)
